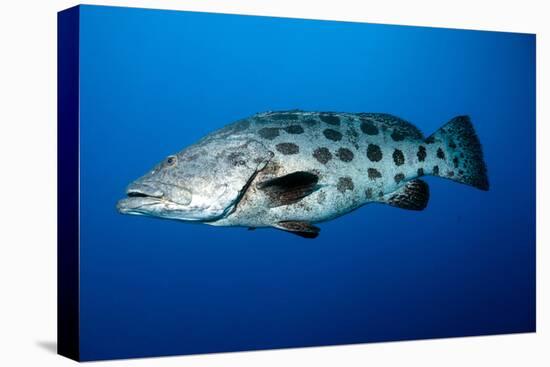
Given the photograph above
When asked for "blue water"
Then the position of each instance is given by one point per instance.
(153, 82)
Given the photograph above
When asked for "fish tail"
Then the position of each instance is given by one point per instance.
(456, 154)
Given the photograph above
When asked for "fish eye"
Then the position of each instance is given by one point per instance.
(170, 161)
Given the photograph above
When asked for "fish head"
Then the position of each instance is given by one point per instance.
(202, 183)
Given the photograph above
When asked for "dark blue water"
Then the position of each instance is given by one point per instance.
(153, 82)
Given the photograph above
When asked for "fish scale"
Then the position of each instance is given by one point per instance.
(338, 199)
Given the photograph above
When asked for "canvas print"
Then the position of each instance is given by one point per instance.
(320, 182)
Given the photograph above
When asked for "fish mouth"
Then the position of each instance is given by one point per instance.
(143, 190)
(145, 200)
(142, 199)
(139, 204)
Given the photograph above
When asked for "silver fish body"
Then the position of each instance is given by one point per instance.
(291, 169)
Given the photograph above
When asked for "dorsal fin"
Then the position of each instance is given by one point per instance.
(414, 195)
(290, 188)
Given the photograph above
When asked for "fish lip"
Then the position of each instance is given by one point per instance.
(133, 204)
(139, 189)
(139, 196)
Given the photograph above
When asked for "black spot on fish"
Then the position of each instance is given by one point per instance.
(398, 157)
(269, 133)
(420, 172)
(345, 155)
(344, 183)
(368, 193)
(430, 140)
(287, 148)
(440, 153)
(323, 155)
(294, 129)
(381, 193)
(399, 177)
(455, 162)
(330, 118)
(461, 155)
(332, 135)
(397, 136)
(368, 127)
(374, 173)
(450, 173)
(460, 172)
(321, 197)
(436, 171)
(284, 116)
(374, 153)
(421, 154)
(236, 159)
(452, 144)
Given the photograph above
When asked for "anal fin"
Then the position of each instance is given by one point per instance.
(414, 195)
(302, 229)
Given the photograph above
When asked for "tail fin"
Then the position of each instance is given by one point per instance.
(458, 153)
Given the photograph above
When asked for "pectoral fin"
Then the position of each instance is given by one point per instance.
(414, 195)
(289, 189)
(302, 229)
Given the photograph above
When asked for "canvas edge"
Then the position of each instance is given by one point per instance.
(68, 96)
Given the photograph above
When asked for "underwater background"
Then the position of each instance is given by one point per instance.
(153, 82)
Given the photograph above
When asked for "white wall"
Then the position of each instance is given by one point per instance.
(28, 183)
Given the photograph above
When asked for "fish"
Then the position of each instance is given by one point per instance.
(291, 170)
